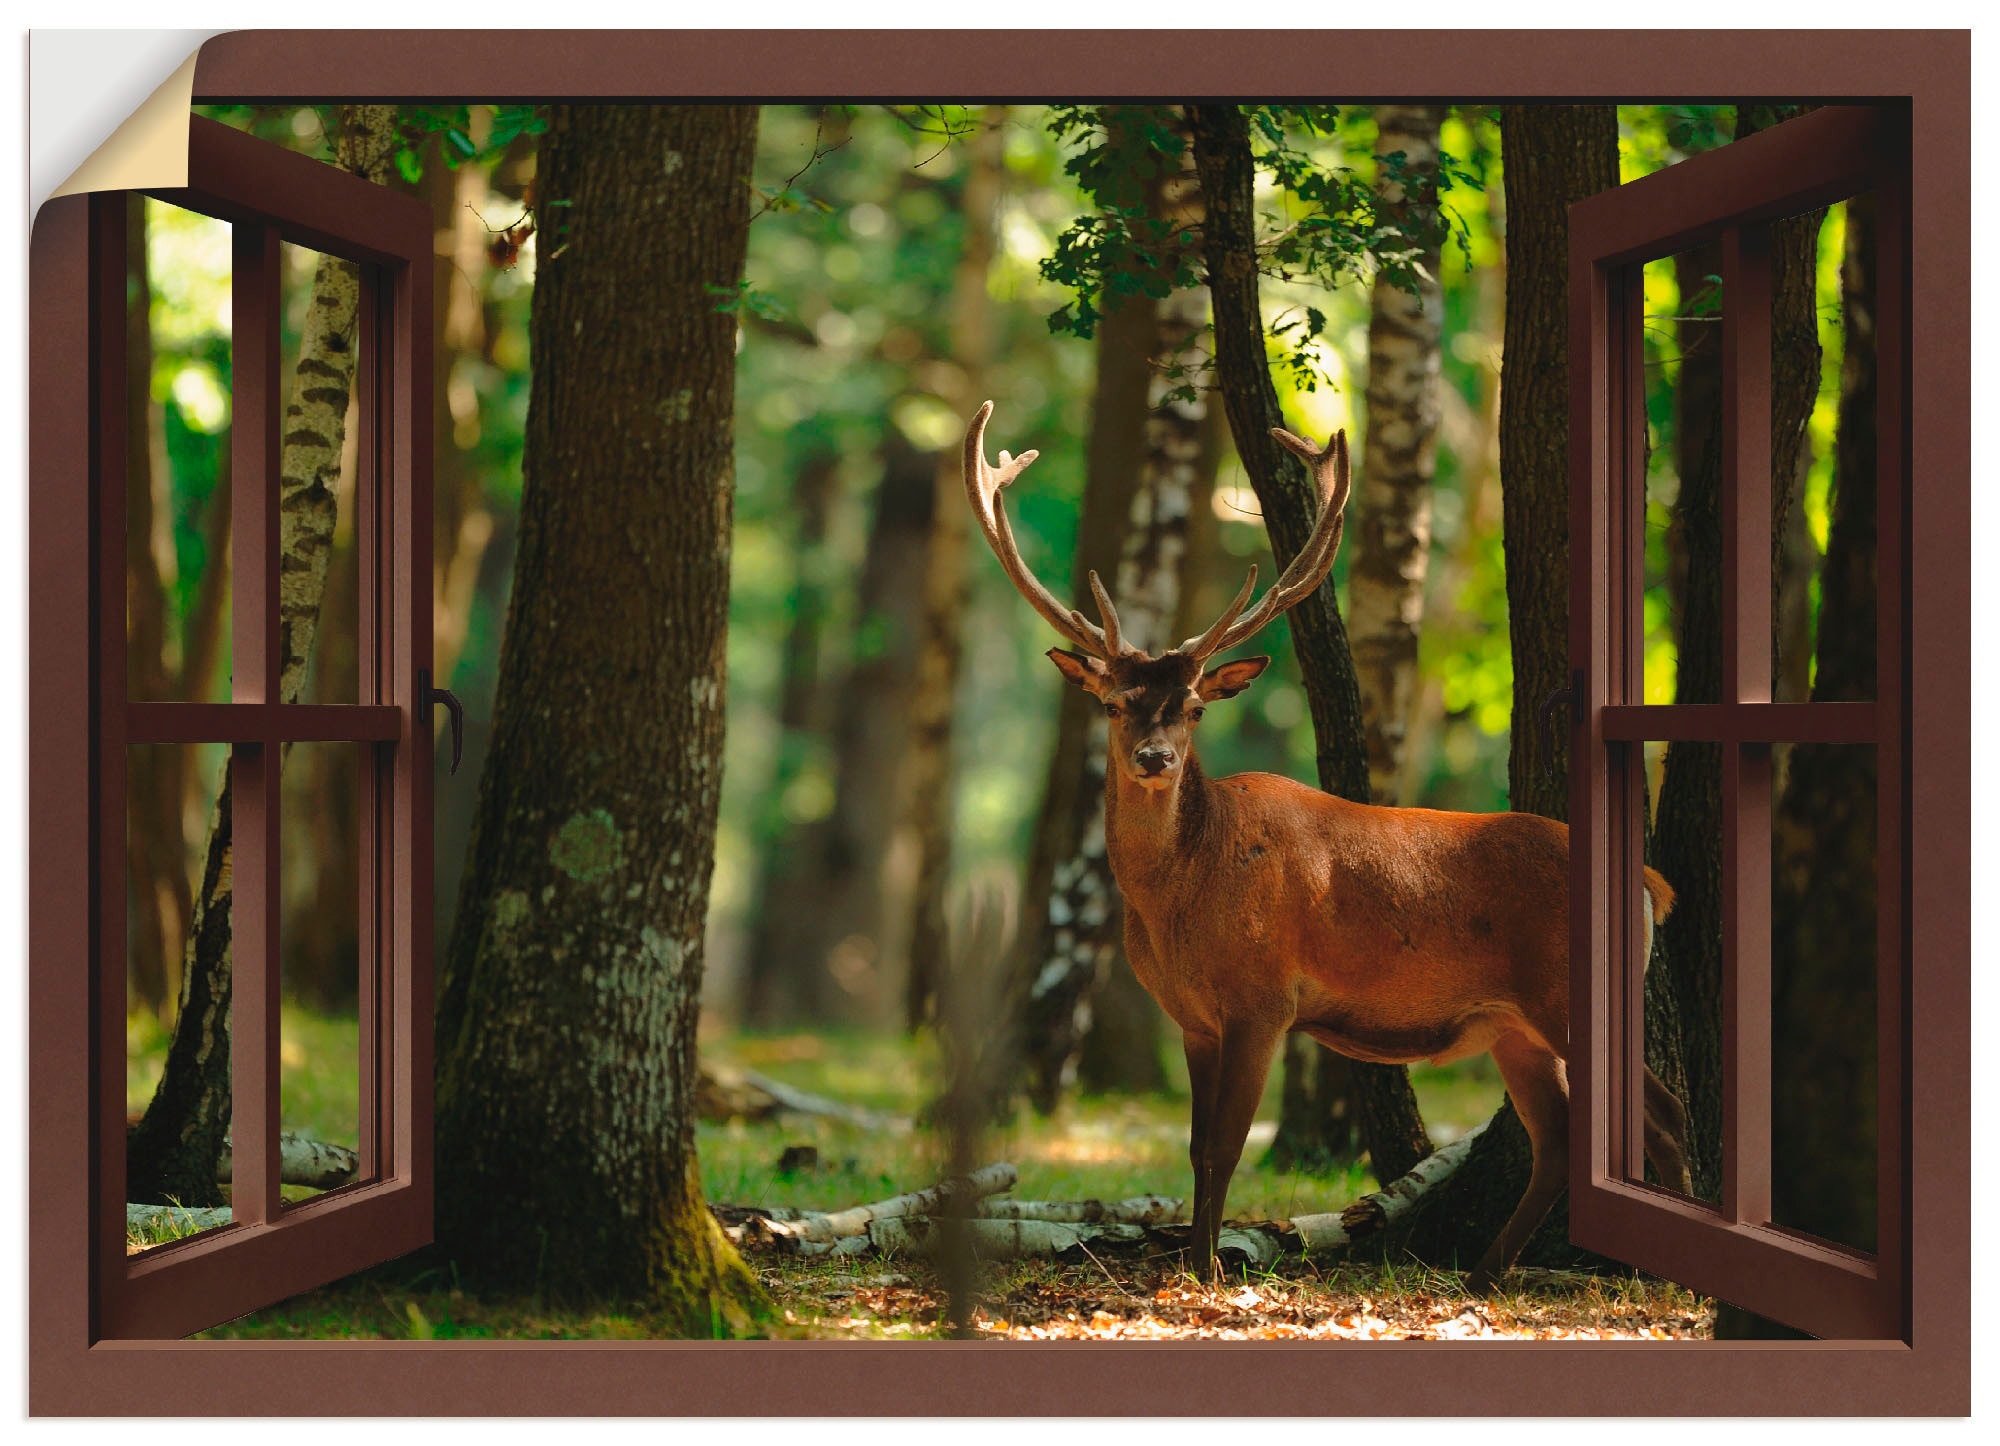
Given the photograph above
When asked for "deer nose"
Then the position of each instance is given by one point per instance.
(1154, 760)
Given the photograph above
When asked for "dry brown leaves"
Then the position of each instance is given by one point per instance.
(1081, 1303)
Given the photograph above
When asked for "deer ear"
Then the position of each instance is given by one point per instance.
(1088, 674)
(1231, 678)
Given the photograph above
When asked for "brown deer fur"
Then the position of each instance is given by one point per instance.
(1255, 905)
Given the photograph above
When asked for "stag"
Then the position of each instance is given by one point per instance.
(1256, 906)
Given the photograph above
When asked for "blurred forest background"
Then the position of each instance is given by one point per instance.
(895, 741)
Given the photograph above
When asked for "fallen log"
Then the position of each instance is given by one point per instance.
(144, 1219)
(726, 1092)
(1003, 1230)
(303, 1161)
(1374, 1213)
(839, 1224)
(1139, 1210)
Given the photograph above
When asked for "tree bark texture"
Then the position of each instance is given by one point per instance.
(1554, 155)
(566, 1023)
(172, 1151)
(1080, 939)
(1227, 170)
(1385, 588)
(924, 840)
(1824, 1005)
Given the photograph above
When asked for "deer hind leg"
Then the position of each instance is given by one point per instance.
(1243, 1065)
(1666, 1136)
(1538, 1084)
(1204, 1060)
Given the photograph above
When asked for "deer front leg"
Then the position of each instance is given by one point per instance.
(1538, 1084)
(1204, 1058)
(1243, 1065)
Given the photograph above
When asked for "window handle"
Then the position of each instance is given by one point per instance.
(428, 695)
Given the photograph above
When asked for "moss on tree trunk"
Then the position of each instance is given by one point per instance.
(567, 1068)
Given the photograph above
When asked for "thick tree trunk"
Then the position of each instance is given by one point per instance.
(172, 1151)
(924, 838)
(1554, 155)
(774, 989)
(567, 1071)
(1222, 154)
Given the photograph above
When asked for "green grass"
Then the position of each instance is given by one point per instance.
(1101, 1147)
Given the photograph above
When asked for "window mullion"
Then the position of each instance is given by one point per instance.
(1746, 767)
(255, 299)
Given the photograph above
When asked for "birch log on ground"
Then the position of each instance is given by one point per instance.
(986, 1180)
(725, 1092)
(303, 1161)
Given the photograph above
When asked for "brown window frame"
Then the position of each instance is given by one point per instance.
(1930, 1373)
(1731, 196)
(271, 1249)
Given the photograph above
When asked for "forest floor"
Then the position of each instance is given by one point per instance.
(1102, 1147)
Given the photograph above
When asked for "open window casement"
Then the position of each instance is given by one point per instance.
(1738, 1247)
(271, 1247)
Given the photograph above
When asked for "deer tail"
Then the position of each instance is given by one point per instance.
(1661, 893)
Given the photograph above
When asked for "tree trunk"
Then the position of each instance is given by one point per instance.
(924, 839)
(1318, 1121)
(172, 1151)
(566, 1023)
(1222, 154)
(1080, 949)
(1385, 588)
(1823, 1068)
(1554, 155)
(774, 989)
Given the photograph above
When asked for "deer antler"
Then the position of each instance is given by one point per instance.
(982, 488)
(1308, 570)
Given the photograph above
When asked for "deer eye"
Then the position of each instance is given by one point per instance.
(1112, 710)
(1194, 714)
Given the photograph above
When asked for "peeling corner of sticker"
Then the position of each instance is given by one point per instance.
(149, 150)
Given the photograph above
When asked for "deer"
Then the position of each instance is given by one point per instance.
(1256, 906)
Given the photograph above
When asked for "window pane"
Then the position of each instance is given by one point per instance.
(319, 346)
(176, 890)
(177, 455)
(1683, 515)
(1683, 987)
(1823, 991)
(1823, 374)
(319, 953)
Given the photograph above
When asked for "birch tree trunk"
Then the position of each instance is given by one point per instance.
(923, 843)
(1080, 935)
(1394, 1130)
(1385, 589)
(172, 1151)
(566, 1023)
